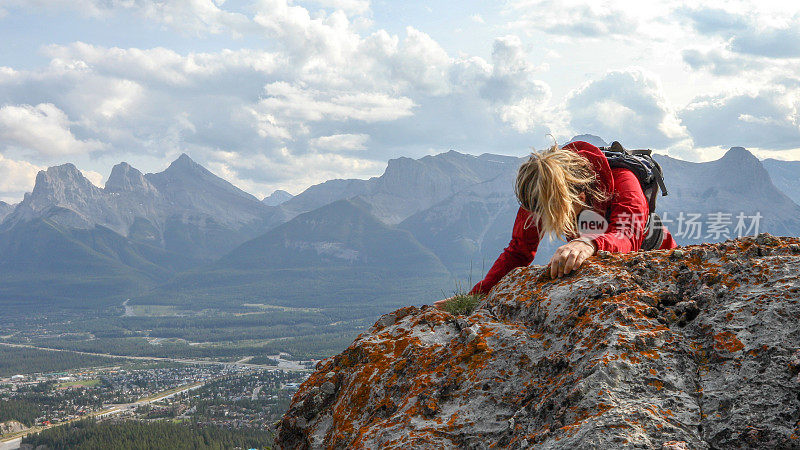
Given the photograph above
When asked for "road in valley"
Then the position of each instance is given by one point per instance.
(240, 363)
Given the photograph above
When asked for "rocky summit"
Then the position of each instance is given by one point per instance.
(692, 348)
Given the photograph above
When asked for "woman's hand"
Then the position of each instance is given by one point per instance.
(440, 303)
(570, 256)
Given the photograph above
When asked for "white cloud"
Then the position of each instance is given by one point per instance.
(298, 170)
(769, 118)
(337, 142)
(477, 18)
(191, 16)
(16, 178)
(719, 62)
(325, 86)
(198, 16)
(161, 65)
(330, 36)
(348, 6)
(95, 177)
(768, 30)
(287, 110)
(574, 18)
(423, 63)
(628, 106)
(43, 129)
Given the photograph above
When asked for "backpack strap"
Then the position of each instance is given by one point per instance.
(655, 233)
(659, 174)
(651, 179)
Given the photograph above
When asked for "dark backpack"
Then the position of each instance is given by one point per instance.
(650, 177)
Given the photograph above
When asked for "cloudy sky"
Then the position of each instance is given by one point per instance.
(284, 94)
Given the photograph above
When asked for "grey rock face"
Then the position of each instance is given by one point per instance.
(645, 350)
(190, 189)
(63, 195)
(125, 178)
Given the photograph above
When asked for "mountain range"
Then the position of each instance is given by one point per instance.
(422, 229)
(738, 183)
(184, 209)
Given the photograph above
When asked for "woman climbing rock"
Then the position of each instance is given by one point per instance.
(555, 188)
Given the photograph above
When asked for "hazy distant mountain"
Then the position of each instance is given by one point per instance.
(736, 183)
(338, 254)
(786, 176)
(71, 239)
(193, 190)
(64, 196)
(407, 186)
(276, 198)
(184, 209)
(466, 230)
(5, 209)
(590, 138)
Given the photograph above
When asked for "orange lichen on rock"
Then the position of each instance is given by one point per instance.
(728, 342)
(631, 350)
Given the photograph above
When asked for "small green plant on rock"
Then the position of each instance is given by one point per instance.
(462, 304)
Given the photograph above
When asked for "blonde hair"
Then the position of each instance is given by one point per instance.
(549, 183)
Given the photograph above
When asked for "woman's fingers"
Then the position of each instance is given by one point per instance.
(557, 262)
(581, 257)
(567, 258)
(572, 258)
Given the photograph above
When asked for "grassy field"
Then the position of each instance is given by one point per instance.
(87, 383)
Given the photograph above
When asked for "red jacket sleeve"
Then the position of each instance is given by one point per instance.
(520, 252)
(628, 215)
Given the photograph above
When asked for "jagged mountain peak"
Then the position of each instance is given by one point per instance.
(185, 165)
(64, 195)
(125, 177)
(63, 170)
(590, 138)
(276, 198)
(738, 162)
(739, 155)
(186, 174)
(63, 178)
(184, 160)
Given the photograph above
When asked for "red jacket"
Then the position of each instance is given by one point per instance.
(627, 209)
